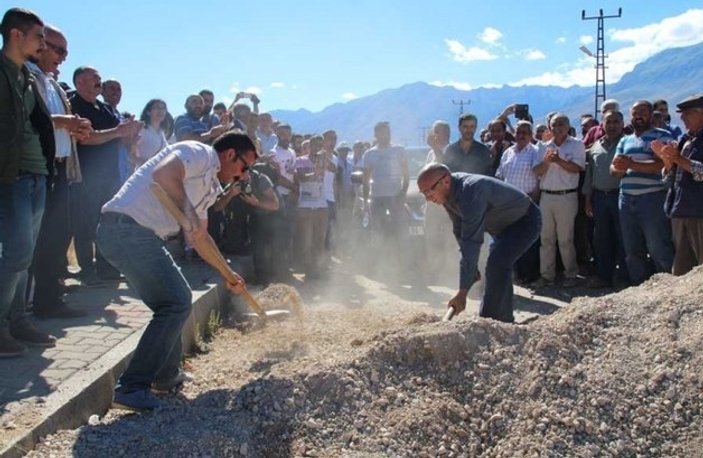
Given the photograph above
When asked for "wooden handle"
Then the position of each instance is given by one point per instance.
(205, 247)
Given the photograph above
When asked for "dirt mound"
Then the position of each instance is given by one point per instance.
(619, 375)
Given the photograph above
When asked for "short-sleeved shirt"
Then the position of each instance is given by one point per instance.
(639, 148)
(202, 187)
(516, 167)
(556, 178)
(328, 184)
(98, 162)
(188, 125)
(268, 141)
(476, 160)
(285, 158)
(311, 191)
(386, 166)
(150, 142)
(598, 177)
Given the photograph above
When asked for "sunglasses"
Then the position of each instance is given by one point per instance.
(61, 51)
(246, 166)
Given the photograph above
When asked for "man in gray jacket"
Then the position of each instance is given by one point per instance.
(478, 204)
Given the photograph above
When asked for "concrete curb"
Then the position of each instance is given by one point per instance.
(89, 391)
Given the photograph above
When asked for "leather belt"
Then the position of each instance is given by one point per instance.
(116, 218)
(559, 193)
(608, 192)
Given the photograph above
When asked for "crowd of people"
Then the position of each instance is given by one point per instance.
(617, 200)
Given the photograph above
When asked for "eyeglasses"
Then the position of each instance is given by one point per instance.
(431, 188)
(61, 51)
(246, 166)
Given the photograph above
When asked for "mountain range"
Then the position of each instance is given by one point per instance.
(672, 74)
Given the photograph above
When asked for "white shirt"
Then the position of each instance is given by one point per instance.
(150, 142)
(285, 158)
(556, 178)
(328, 184)
(55, 105)
(200, 182)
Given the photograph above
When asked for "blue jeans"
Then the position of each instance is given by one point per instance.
(507, 247)
(646, 229)
(607, 236)
(21, 210)
(143, 259)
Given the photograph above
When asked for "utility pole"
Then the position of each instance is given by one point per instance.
(423, 134)
(600, 55)
(461, 104)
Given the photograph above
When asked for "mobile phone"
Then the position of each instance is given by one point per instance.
(522, 111)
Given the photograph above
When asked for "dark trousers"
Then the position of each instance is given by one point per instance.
(607, 236)
(91, 195)
(262, 234)
(688, 240)
(283, 236)
(527, 266)
(49, 263)
(505, 250)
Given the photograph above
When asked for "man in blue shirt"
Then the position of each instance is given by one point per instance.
(645, 227)
(190, 126)
(478, 204)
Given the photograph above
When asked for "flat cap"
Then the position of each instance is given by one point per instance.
(694, 101)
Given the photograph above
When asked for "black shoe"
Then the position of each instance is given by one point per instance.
(137, 401)
(67, 289)
(9, 347)
(28, 334)
(60, 310)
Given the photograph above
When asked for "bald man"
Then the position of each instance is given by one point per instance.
(478, 204)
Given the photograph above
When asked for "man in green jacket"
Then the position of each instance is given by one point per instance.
(26, 159)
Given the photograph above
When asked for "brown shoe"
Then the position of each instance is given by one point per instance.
(9, 347)
(28, 334)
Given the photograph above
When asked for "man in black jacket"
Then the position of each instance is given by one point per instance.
(26, 159)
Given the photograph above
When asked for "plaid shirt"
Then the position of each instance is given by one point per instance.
(516, 167)
(687, 150)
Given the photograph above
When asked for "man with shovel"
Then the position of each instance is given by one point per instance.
(131, 234)
(478, 204)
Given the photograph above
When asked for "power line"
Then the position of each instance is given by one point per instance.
(600, 55)
(461, 104)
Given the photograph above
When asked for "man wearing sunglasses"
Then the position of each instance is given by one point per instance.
(49, 262)
(478, 204)
(131, 235)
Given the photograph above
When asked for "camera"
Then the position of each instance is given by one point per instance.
(245, 187)
(522, 111)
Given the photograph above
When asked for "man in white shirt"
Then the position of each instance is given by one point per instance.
(563, 157)
(282, 157)
(131, 236)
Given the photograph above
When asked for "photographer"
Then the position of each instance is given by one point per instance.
(250, 208)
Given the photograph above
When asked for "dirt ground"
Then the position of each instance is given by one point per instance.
(371, 371)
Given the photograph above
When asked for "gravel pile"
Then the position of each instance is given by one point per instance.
(619, 375)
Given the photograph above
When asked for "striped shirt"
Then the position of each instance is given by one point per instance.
(516, 167)
(639, 149)
(185, 125)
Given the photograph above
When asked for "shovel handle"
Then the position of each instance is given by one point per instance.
(449, 314)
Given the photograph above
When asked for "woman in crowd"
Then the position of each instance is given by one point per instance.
(157, 129)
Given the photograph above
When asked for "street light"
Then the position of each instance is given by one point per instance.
(587, 51)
